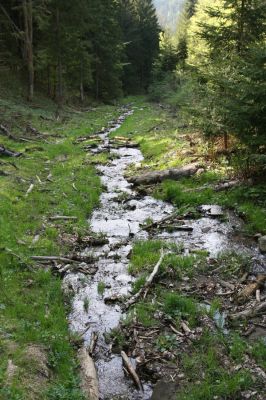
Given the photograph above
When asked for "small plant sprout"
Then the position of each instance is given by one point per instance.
(86, 304)
(101, 288)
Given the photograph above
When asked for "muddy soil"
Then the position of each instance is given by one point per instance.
(98, 299)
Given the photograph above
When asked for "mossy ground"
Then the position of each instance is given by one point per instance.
(32, 308)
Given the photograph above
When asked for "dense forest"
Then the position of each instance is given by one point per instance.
(217, 77)
(132, 200)
(91, 46)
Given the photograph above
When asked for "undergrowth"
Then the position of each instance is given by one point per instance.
(32, 307)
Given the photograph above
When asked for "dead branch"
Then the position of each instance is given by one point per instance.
(250, 312)
(89, 379)
(131, 370)
(147, 284)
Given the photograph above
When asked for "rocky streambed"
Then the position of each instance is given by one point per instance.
(98, 299)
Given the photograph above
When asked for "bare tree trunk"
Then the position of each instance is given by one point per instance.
(28, 42)
(81, 82)
(59, 94)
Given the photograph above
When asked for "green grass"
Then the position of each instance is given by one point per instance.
(101, 288)
(32, 307)
(146, 254)
(179, 306)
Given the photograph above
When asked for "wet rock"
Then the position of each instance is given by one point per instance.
(165, 391)
(262, 244)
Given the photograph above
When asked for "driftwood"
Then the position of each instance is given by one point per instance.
(250, 312)
(147, 284)
(131, 370)
(159, 176)
(7, 152)
(88, 375)
(250, 289)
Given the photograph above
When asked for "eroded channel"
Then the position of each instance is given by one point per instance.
(120, 216)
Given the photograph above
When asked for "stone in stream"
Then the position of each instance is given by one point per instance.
(262, 244)
(165, 391)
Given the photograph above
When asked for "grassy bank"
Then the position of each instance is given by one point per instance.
(52, 177)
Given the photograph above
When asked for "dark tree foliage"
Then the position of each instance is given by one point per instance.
(236, 73)
(140, 29)
(88, 46)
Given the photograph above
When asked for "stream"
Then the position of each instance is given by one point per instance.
(119, 217)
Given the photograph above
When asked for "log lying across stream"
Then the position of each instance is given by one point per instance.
(159, 176)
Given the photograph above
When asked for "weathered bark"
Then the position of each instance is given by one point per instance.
(89, 380)
(159, 176)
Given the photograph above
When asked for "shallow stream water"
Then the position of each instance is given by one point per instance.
(119, 218)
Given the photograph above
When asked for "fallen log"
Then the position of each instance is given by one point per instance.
(250, 312)
(250, 289)
(159, 176)
(147, 284)
(7, 152)
(131, 370)
(89, 380)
